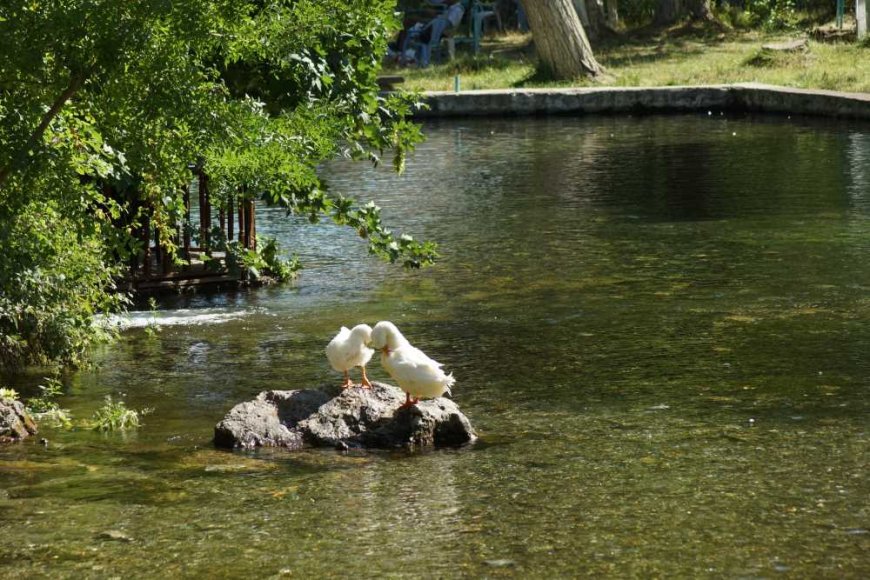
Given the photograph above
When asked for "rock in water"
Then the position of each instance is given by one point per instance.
(15, 422)
(268, 420)
(353, 418)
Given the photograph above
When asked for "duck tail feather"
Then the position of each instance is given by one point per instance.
(449, 384)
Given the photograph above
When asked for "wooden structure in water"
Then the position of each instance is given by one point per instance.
(203, 258)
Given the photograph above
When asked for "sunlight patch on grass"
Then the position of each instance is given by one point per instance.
(700, 59)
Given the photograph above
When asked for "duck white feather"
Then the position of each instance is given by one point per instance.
(348, 350)
(415, 373)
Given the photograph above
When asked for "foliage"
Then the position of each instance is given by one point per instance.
(281, 269)
(45, 409)
(55, 416)
(53, 278)
(8, 394)
(241, 259)
(736, 16)
(116, 416)
(775, 14)
(112, 416)
(105, 103)
(265, 260)
(637, 12)
(152, 327)
(44, 402)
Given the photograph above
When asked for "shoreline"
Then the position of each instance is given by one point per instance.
(748, 97)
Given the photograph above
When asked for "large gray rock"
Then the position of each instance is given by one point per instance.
(15, 422)
(352, 418)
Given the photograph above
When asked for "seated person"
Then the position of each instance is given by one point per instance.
(430, 34)
(415, 13)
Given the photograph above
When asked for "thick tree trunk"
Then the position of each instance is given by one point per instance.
(597, 15)
(580, 7)
(670, 11)
(612, 10)
(700, 10)
(667, 11)
(560, 39)
(590, 17)
(861, 14)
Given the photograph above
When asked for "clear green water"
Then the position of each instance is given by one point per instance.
(660, 327)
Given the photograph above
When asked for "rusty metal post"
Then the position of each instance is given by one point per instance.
(252, 226)
(230, 218)
(146, 237)
(201, 215)
(185, 226)
(205, 211)
(242, 231)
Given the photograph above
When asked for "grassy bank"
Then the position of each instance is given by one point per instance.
(682, 56)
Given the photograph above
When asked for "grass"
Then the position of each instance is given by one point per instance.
(679, 56)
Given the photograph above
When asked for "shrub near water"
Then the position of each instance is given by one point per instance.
(45, 408)
(8, 394)
(52, 280)
(112, 416)
(265, 261)
(116, 416)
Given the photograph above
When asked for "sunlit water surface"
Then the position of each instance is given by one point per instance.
(660, 327)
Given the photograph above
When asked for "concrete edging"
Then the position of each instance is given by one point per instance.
(608, 100)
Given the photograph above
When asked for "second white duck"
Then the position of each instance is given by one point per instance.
(415, 373)
(349, 349)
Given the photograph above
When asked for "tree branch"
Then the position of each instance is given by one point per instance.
(72, 88)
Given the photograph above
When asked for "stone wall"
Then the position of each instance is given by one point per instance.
(581, 101)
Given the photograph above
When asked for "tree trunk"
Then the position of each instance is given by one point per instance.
(597, 15)
(592, 17)
(700, 10)
(612, 14)
(667, 12)
(588, 17)
(580, 7)
(560, 40)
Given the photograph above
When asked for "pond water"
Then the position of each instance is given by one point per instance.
(660, 327)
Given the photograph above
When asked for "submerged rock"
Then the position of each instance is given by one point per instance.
(114, 535)
(15, 422)
(352, 418)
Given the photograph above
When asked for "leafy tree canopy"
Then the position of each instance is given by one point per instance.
(129, 94)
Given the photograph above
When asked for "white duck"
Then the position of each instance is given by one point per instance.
(348, 349)
(416, 374)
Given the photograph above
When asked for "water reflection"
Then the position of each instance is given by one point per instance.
(859, 171)
(658, 325)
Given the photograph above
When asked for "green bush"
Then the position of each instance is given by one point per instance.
(279, 268)
(266, 260)
(736, 17)
(772, 15)
(638, 12)
(8, 394)
(53, 279)
(116, 416)
(45, 409)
